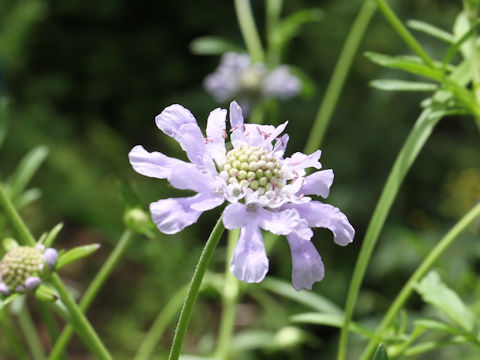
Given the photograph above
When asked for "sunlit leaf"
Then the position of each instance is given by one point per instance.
(431, 30)
(211, 45)
(444, 299)
(401, 85)
(52, 235)
(436, 325)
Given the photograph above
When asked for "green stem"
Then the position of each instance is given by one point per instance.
(26, 237)
(10, 333)
(229, 302)
(407, 289)
(192, 293)
(49, 321)
(249, 30)
(339, 75)
(80, 320)
(160, 324)
(93, 290)
(414, 143)
(31, 334)
(273, 9)
(403, 32)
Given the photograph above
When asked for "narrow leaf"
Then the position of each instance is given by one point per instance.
(444, 299)
(26, 169)
(289, 27)
(76, 254)
(52, 235)
(333, 320)
(211, 45)
(8, 300)
(381, 353)
(431, 30)
(401, 85)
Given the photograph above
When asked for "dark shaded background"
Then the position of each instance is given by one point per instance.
(87, 79)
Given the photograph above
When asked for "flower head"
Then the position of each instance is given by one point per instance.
(238, 77)
(22, 267)
(264, 189)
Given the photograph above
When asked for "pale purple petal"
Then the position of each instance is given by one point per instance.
(262, 135)
(299, 162)
(307, 266)
(152, 164)
(206, 202)
(50, 255)
(173, 215)
(172, 118)
(327, 216)
(179, 123)
(237, 135)
(216, 134)
(4, 289)
(318, 183)
(281, 145)
(249, 261)
(283, 222)
(281, 83)
(235, 216)
(190, 177)
(32, 282)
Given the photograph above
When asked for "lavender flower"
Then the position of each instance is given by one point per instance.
(264, 189)
(238, 77)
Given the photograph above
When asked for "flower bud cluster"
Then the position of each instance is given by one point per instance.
(253, 167)
(22, 267)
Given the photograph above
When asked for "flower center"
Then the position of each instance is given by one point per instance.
(253, 167)
(19, 264)
(250, 80)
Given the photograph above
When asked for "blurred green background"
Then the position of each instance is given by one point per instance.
(86, 79)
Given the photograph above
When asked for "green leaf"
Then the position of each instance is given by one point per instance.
(52, 235)
(251, 340)
(290, 26)
(411, 64)
(381, 353)
(401, 85)
(28, 196)
(26, 169)
(459, 45)
(436, 325)
(76, 254)
(9, 243)
(309, 299)
(460, 28)
(333, 320)
(431, 30)
(444, 299)
(211, 45)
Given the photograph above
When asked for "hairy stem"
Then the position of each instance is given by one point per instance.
(407, 289)
(249, 30)
(93, 290)
(414, 143)
(194, 288)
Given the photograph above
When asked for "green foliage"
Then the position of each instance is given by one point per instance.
(380, 354)
(75, 254)
(401, 85)
(211, 45)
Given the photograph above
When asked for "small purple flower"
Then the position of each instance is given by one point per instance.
(238, 77)
(264, 189)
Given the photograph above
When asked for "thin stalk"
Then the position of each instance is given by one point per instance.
(273, 10)
(31, 334)
(83, 326)
(407, 289)
(249, 30)
(93, 290)
(229, 302)
(160, 324)
(472, 16)
(339, 75)
(192, 293)
(414, 143)
(49, 321)
(404, 33)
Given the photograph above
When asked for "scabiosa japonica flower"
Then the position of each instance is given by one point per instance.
(264, 189)
(23, 267)
(238, 77)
